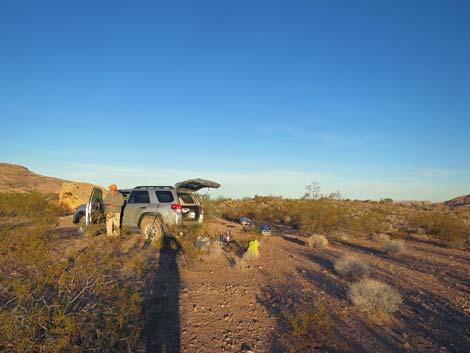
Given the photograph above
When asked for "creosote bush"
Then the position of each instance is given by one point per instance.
(305, 329)
(449, 228)
(381, 237)
(316, 241)
(374, 297)
(351, 268)
(394, 247)
(56, 302)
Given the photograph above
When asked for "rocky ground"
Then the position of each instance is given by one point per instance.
(220, 305)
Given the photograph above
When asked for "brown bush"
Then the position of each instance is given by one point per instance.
(316, 241)
(381, 237)
(394, 247)
(351, 268)
(374, 297)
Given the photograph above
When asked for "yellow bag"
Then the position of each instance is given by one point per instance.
(253, 248)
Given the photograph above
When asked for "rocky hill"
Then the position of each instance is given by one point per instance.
(459, 201)
(16, 178)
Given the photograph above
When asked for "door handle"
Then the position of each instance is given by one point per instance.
(143, 207)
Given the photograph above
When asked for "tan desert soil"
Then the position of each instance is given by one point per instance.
(218, 306)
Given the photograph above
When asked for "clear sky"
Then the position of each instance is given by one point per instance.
(371, 98)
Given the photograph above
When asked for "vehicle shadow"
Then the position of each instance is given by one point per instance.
(162, 316)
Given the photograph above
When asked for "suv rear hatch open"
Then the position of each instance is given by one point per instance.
(191, 208)
(193, 185)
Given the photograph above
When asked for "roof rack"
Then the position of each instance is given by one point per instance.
(154, 187)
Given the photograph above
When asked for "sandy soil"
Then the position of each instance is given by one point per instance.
(216, 306)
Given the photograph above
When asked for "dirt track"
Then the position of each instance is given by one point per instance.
(216, 306)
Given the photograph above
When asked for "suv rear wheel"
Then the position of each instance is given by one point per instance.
(151, 227)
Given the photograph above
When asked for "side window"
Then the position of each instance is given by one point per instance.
(164, 196)
(97, 195)
(140, 196)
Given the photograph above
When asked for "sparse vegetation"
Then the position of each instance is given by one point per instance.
(305, 329)
(87, 300)
(339, 236)
(381, 237)
(394, 247)
(374, 297)
(451, 228)
(316, 241)
(351, 268)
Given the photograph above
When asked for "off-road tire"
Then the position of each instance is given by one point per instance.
(151, 227)
(82, 225)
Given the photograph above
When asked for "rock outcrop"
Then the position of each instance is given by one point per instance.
(74, 194)
(459, 201)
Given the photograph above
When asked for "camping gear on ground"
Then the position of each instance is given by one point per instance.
(203, 243)
(246, 222)
(265, 229)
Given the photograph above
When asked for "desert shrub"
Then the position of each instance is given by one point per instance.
(394, 247)
(374, 297)
(211, 205)
(381, 237)
(215, 249)
(339, 236)
(371, 221)
(321, 215)
(95, 230)
(351, 268)
(35, 206)
(187, 235)
(386, 201)
(305, 329)
(316, 241)
(88, 300)
(448, 227)
(399, 234)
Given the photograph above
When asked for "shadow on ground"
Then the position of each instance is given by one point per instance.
(162, 317)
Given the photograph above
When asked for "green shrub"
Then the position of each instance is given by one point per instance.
(448, 227)
(89, 300)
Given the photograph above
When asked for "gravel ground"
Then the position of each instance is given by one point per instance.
(219, 305)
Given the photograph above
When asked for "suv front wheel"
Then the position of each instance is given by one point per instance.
(82, 226)
(151, 227)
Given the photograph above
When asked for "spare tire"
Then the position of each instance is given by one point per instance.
(151, 227)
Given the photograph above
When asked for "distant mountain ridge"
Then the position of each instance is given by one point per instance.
(459, 201)
(16, 178)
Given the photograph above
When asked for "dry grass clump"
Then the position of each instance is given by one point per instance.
(305, 329)
(316, 241)
(394, 247)
(352, 268)
(215, 249)
(374, 297)
(381, 237)
(339, 236)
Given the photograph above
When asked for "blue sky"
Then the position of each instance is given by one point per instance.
(371, 98)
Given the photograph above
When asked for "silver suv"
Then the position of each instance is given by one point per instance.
(150, 208)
